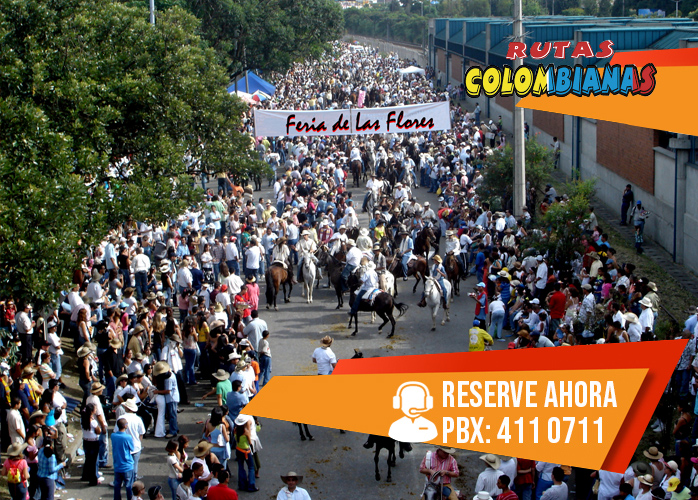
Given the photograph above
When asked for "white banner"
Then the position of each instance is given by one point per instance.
(354, 121)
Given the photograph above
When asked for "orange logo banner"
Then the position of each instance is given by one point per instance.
(571, 406)
(669, 107)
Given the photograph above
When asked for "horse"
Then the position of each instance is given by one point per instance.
(309, 272)
(453, 271)
(386, 443)
(356, 173)
(307, 431)
(276, 277)
(424, 241)
(383, 305)
(417, 268)
(334, 271)
(433, 490)
(433, 296)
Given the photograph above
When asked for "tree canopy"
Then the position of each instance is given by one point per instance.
(85, 86)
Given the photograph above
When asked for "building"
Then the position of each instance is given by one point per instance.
(613, 153)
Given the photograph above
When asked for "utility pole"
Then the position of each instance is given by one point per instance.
(519, 143)
(677, 8)
(152, 12)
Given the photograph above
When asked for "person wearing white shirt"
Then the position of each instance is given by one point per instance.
(141, 266)
(487, 480)
(558, 491)
(588, 303)
(646, 316)
(291, 491)
(545, 477)
(324, 357)
(541, 276)
(231, 254)
(184, 277)
(252, 255)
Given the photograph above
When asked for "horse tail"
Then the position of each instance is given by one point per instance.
(270, 287)
(402, 307)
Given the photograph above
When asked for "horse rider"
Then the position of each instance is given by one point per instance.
(363, 242)
(369, 281)
(429, 215)
(379, 259)
(441, 465)
(353, 257)
(306, 246)
(280, 255)
(338, 238)
(417, 223)
(379, 231)
(452, 244)
(325, 232)
(465, 243)
(439, 273)
(405, 249)
(351, 221)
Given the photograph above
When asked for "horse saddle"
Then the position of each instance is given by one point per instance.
(410, 261)
(279, 263)
(371, 295)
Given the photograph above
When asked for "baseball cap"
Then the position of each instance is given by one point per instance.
(154, 491)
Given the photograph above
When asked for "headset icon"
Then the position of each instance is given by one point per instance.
(397, 399)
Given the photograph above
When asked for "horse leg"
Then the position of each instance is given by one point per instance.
(307, 431)
(414, 289)
(391, 463)
(434, 312)
(392, 323)
(376, 457)
(300, 430)
(373, 317)
(356, 324)
(276, 292)
(385, 319)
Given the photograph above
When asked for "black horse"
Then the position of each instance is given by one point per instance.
(383, 305)
(386, 443)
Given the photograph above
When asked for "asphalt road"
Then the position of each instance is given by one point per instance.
(335, 465)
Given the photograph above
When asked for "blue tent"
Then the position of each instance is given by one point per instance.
(255, 83)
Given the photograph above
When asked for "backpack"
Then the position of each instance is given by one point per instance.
(14, 474)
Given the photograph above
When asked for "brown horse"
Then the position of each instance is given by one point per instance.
(276, 277)
(424, 241)
(356, 173)
(453, 272)
(417, 268)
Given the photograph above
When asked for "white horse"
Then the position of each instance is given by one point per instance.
(432, 294)
(309, 273)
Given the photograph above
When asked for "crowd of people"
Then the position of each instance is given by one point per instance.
(158, 309)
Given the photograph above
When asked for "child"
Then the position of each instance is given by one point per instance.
(184, 490)
(638, 239)
(174, 468)
(138, 489)
(215, 469)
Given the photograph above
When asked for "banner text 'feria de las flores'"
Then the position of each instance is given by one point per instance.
(354, 121)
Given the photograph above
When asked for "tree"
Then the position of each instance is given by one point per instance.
(83, 86)
(533, 8)
(605, 8)
(267, 35)
(498, 185)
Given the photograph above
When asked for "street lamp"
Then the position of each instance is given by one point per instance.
(152, 12)
(677, 8)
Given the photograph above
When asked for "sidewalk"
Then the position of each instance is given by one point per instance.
(661, 257)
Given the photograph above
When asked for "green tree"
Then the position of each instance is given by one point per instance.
(84, 85)
(605, 8)
(573, 11)
(533, 8)
(478, 8)
(498, 172)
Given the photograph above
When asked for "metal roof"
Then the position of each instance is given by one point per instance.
(671, 41)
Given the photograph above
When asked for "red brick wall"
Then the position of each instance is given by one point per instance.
(441, 60)
(551, 123)
(627, 151)
(505, 102)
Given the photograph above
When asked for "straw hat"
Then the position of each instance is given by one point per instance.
(437, 259)
(130, 405)
(647, 479)
(646, 302)
(351, 242)
(631, 317)
(299, 479)
(241, 419)
(123, 376)
(251, 279)
(115, 343)
(160, 368)
(16, 450)
(326, 341)
(492, 460)
(216, 324)
(37, 413)
(653, 453)
(241, 365)
(85, 350)
(202, 449)
(97, 388)
(482, 495)
(446, 449)
(221, 375)
(652, 286)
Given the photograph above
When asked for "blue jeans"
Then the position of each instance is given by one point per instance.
(136, 458)
(497, 326)
(127, 277)
(172, 414)
(174, 484)
(265, 370)
(524, 491)
(357, 302)
(18, 491)
(56, 365)
(216, 270)
(189, 360)
(103, 456)
(245, 479)
(125, 479)
(141, 284)
(233, 266)
(111, 387)
(294, 252)
(434, 185)
(346, 272)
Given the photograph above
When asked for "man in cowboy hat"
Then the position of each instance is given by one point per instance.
(369, 281)
(306, 247)
(353, 257)
(646, 317)
(440, 466)
(292, 491)
(324, 357)
(404, 250)
(166, 399)
(223, 387)
(487, 480)
(94, 399)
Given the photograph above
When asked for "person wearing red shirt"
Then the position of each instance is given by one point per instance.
(242, 304)
(523, 483)
(556, 304)
(221, 491)
(503, 483)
